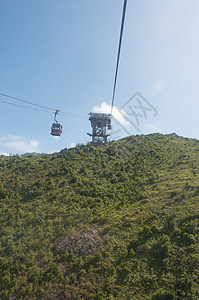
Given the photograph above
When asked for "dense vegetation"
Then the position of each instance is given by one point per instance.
(110, 222)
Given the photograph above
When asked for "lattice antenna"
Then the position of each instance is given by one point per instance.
(101, 126)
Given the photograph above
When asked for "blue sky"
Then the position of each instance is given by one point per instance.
(62, 54)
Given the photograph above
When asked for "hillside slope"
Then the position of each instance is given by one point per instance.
(110, 222)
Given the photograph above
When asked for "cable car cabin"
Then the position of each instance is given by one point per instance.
(56, 129)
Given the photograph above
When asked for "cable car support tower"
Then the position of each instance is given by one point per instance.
(101, 125)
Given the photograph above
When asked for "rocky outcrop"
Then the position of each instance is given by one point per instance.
(82, 242)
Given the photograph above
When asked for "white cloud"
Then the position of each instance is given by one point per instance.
(19, 143)
(56, 138)
(154, 127)
(118, 114)
(159, 85)
(103, 108)
(4, 154)
(72, 145)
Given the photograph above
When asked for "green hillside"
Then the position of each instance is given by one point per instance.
(110, 222)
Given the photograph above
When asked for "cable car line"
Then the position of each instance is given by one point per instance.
(22, 100)
(119, 50)
(71, 115)
(25, 106)
(50, 110)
